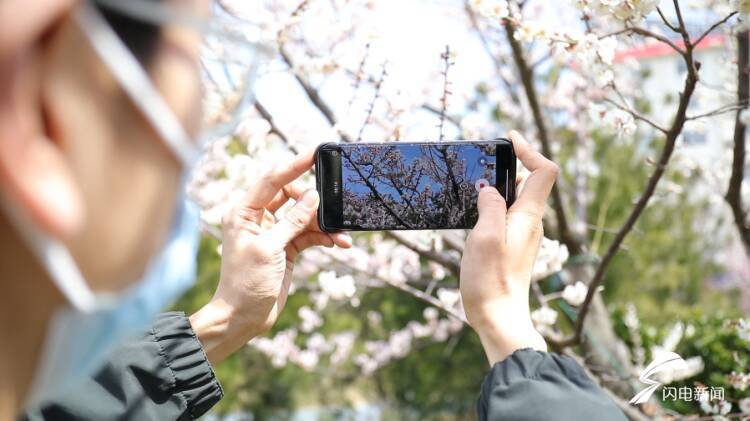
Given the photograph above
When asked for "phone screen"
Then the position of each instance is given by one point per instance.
(412, 185)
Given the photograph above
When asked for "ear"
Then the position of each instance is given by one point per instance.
(21, 25)
(34, 170)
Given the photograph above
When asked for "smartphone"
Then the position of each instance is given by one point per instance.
(409, 185)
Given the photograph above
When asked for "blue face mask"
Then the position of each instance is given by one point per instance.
(83, 333)
(79, 341)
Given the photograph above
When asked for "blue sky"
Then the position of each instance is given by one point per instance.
(470, 154)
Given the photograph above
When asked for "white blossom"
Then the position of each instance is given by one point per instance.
(307, 359)
(745, 113)
(310, 319)
(550, 259)
(430, 313)
(575, 294)
(744, 405)
(448, 296)
(494, 9)
(743, 330)
(626, 10)
(739, 381)
(543, 317)
(337, 287)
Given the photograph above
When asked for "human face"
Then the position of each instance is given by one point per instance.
(127, 177)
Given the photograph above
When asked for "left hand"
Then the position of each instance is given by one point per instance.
(499, 258)
(258, 253)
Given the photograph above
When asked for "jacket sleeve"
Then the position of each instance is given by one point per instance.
(534, 385)
(163, 376)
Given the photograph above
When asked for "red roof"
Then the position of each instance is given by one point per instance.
(658, 49)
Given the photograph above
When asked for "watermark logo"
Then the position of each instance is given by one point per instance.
(665, 361)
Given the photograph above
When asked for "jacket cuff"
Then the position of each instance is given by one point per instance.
(192, 374)
(528, 363)
(515, 386)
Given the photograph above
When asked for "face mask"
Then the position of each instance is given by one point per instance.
(79, 341)
(82, 335)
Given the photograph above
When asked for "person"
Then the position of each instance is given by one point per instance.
(95, 235)
(90, 192)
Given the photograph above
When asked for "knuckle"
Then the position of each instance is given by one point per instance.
(297, 218)
(552, 168)
(536, 230)
(269, 177)
(227, 218)
(497, 200)
(485, 239)
(492, 198)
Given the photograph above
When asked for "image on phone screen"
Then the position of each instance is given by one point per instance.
(409, 185)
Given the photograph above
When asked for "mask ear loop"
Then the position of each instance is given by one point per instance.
(136, 83)
(54, 256)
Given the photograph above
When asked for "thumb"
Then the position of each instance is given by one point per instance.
(492, 209)
(297, 219)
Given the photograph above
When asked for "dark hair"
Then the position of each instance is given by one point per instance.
(140, 37)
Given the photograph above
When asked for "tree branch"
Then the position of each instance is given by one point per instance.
(359, 75)
(415, 292)
(446, 56)
(495, 59)
(527, 78)
(274, 129)
(714, 26)
(636, 115)
(312, 93)
(666, 21)
(446, 260)
(681, 24)
(727, 108)
(375, 97)
(691, 79)
(734, 191)
(648, 34)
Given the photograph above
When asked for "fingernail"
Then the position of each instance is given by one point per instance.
(310, 199)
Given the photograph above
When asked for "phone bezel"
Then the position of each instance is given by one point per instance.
(330, 217)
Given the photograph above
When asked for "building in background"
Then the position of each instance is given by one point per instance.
(705, 142)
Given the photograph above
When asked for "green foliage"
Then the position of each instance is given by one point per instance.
(436, 381)
(663, 265)
(663, 268)
(713, 337)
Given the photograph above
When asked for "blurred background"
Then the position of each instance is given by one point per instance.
(642, 103)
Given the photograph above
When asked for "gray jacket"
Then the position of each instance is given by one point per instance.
(165, 376)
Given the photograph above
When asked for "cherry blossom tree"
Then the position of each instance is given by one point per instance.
(563, 83)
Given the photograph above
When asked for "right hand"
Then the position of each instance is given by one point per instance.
(499, 257)
(258, 253)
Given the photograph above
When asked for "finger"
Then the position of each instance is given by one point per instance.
(269, 220)
(297, 219)
(539, 182)
(520, 182)
(491, 207)
(307, 240)
(341, 239)
(292, 190)
(271, 183)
